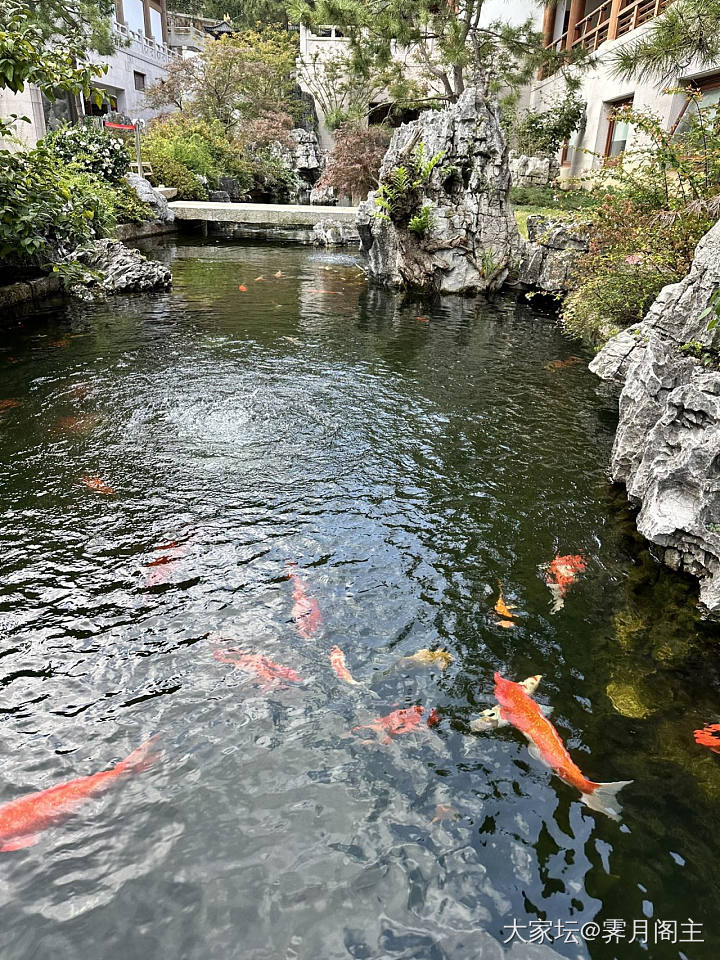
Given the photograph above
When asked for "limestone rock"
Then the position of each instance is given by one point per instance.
(472, 240)
(667, 446)
(674, 316)
(121, 269)
(307, 159)
(233, 188)
(323, 197)
(532, 171)
(218, 196)
(152, 197)
(334, 233)
(551, 252)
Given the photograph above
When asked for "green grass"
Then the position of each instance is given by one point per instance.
(522, 213)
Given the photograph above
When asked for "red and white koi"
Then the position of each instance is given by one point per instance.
(166, 564)
(23, 820)
(400, 721)
(257, 663)
(521, 711)
(560, 574)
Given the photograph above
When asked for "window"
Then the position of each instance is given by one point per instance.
(618, 129)
(709, 90)
(139, 79)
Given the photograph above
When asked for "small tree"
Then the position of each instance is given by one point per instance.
(234, 79)
(354, 165)
(27, 57)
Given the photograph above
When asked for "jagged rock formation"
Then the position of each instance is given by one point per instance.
(667, 447)
(533, 171)
(115, 268)
(334, 233)
(307, 156)
(152, 197)
(472, 240)
(551, 253)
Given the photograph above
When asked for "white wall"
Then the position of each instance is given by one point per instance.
(511, 11)
(600, 88)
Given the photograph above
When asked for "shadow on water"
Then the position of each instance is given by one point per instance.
(411, 457)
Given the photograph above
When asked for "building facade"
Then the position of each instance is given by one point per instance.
(140, 59)
(601, 27)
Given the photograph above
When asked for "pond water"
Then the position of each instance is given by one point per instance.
(408, 458)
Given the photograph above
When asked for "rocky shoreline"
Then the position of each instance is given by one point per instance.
(667, 446)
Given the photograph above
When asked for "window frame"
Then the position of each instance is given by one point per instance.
(613, 107)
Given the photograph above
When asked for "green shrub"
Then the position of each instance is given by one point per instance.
(201, 148)
(128, 207)
(90, 149)
(171, 173)
(634, 252)
(547, 198)
(47, 207)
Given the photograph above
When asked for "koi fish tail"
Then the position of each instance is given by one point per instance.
(604, 798)
(709, 736)
(140, 759)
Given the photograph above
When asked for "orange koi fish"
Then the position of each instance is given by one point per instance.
(560, 364)
(422, 319)
(165, 565)
(22, 820)
(96, 484)
(709, 736)
(504, 612)
(399, 722)
(257, 279)
(337, 662)
(278, 274)
(8, 404)
(520, 710)
(242, 288)
(263, 668)
(59, 343)
(305, 611)
(560, 573)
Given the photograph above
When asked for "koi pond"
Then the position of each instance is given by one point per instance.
(204, 493)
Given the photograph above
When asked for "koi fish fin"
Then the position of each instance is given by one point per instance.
(604, 798)
(488, 720)
(535, 753)
(19, 843)
(546, 710)
(141, 758)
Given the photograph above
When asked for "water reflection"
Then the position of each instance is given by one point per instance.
(407, 468)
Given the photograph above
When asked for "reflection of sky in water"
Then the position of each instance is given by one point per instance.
(409, 469)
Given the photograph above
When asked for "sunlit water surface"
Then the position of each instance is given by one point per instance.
(408, 468)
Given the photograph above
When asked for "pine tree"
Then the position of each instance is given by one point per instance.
(687, 32)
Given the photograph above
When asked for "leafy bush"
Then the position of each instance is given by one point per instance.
(634, 252)
(547, 198)
(542, 133)
(171, 173)
(354, 164)
(47, 208)
(273, 176)
(181, 149)
(399, 194)
(658, 201)
(92, 150)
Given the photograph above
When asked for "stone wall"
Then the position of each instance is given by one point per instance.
(667, 447)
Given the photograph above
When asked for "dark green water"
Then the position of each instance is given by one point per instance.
(407, 468)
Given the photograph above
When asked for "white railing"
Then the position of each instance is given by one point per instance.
(150, 44)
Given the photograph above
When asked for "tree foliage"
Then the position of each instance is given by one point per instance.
(85, 23)
(234, 79)
(543, 132)
(243, 14)
(447, 43)
(687, 32)
(354, 164)
(26, 56)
